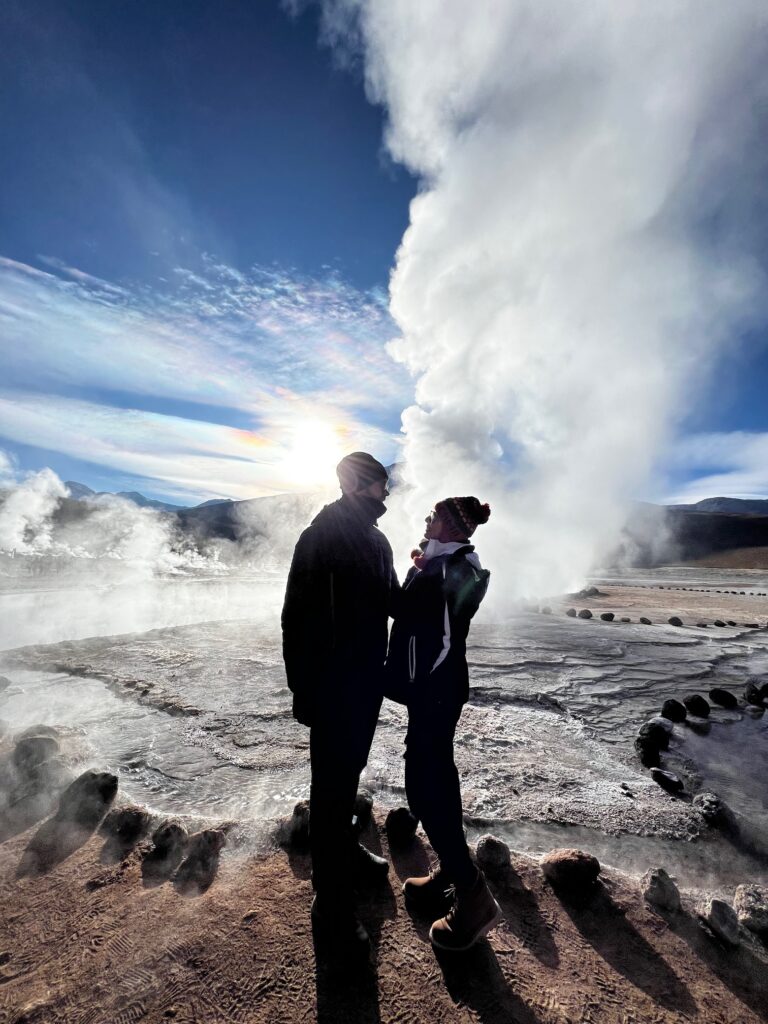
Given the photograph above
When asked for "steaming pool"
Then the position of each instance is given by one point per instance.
(194, 716)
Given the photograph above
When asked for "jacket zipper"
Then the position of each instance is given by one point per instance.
(412, 658)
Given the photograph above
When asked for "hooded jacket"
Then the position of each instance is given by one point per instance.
(427, 648)
(340, 593)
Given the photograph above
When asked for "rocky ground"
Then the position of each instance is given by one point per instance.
(94, 939)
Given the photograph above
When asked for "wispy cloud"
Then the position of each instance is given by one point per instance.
(283, 350)
(734, 464)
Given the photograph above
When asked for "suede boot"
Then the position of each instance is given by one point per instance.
(430, 895)
(474, 913)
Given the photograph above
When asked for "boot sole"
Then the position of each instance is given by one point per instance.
(480, 934)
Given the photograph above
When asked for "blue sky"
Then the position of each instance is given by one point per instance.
(197, 224)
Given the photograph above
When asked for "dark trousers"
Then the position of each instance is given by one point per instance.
(339, 743)
(432, 784)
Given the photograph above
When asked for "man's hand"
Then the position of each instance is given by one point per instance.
(303, 708)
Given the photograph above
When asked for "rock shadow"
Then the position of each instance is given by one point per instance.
(523, 918)
(604, 925)
(743, 973)
(410, 859)
(196, 873)
(475, 979)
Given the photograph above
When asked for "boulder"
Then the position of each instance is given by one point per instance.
(659, 890)
(722, 697)
(126, 824)
(585, 613)
(645, 621)
(674, 710)
(701, 625)
(401, 826)
(751, 906)
(625, 618)
(675, 620)
(571, 613)
(198, 870)
(721, 918)
(753, 694)
(295, 832)
(86, 800)
(493, 855)
(362, 811)
(719, 622)
(648, 752)
(731, 622)
(667, 780)
(751, 625)
(32, 751)
(571, 871)
(711, 808)
(170, 843)
(607, 616)
(696, 705)
(655, 733)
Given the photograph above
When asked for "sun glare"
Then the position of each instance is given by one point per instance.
(313, 453)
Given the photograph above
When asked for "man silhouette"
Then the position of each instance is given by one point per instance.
(340, 592)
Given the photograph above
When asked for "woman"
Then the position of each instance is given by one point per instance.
(427, 671)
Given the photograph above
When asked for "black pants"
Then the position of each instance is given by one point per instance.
(339, 743)
(432, 784)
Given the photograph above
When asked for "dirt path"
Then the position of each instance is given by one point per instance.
(88, 943)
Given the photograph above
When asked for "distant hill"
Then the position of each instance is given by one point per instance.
(728, 506)
(79, 491)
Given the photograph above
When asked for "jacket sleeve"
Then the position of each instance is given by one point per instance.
(464, 587)
(307, 617)
(395, 595)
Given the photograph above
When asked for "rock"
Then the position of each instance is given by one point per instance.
(701, 625)
(675, 620)
(655, 733)
(87, 799)
(625, 618)
(648, 752)
(401, 826)
(674, 710)
(170, 843)
(571, 612)
(667, 780)
(585, 613)
(711, 808)
(607, 616)
(751, 625)
(126, 824)
(731, 622)
(571, 871)
(723, 698)
(295, 832)
(38, 730)
(645, 621)
(697, 705)
(31, 751)
(721, 918)
(753, 694)
(719, 622)
(493, 855)
(198, 870)
(5, 682)
(362, 811)
(659, 890)
(751, 906)
(546, 610)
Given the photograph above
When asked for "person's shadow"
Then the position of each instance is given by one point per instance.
(618, 942)
(475, 979)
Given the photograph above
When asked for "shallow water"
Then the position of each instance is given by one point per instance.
(195, 719)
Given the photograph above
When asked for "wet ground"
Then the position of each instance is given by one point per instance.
(195, 717)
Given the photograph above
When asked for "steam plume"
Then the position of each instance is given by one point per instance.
(578, 253)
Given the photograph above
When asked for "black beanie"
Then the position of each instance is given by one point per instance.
(358, 471)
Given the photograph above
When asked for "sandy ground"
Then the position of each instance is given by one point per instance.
(88, 942)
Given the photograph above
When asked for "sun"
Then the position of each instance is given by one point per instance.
(313, 452)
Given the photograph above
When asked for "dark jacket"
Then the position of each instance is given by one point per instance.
(341, 590)
(427, 648)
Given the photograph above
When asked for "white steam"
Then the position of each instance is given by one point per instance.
(577, 254)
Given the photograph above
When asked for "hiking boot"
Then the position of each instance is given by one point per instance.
(430, 895)
(368, 867)
(336, 927)
(472, 916)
